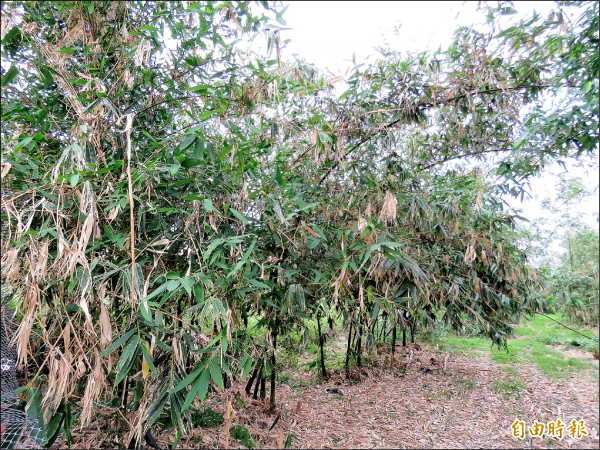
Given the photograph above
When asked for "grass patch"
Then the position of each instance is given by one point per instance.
(510, 370)
(464, 385)
(536, 338)
(460, 388)
(508, 388)
(464, 345)
(445, 394)
(548, 331)
(539, 340)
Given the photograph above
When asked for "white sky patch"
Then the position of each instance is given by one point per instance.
(328, 35)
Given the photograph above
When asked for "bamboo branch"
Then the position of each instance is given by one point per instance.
(131, 205)
(424, 106)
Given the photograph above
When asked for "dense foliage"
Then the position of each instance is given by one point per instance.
(162, 183)
(569, 269)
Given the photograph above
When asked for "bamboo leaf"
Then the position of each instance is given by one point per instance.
(200, 389)
(215, 373)
(116, 344)
(239, 216)
(147, 363)
(244, 259)
(127, 358)
(203, 386)
(189, 379)
(199, 293)
(246, 365)
(9, 76)
(208, 205)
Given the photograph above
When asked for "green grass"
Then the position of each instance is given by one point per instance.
(510, 370)
(459, 389)
(511, 385)
(508, 388)
(549, 332)
(465, 345)
(538, 340)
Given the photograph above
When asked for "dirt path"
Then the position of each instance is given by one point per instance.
(457, 408)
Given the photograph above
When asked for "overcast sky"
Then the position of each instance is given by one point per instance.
(329, 34)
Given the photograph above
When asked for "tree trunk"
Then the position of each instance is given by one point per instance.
(382, 332)
(359, 342)
(253, 377)
(263, 388)
(348, 350)
(372, 331)
(321, 344)
(245, 316)
(393, 341)
(259, 380)
(273, 369)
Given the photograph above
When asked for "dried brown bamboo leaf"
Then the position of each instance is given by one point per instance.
(105, 326)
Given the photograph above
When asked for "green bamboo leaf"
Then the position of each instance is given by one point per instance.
(73, 179)
(191, 395)
(318, 230)
(211, 248)
(189, 140)
(171, 285)
(189, 379)
(203, 388)
(259, 284)
(176, 412)
(208, 205)
(10, 75)
(374, 247)
(23, 143)
(187, 284)
(145, 310)
(127, 358)
(148, 359)
(159, 290)
(199, 293)
(191, 197)
(116, 344)
(158, 403)
(239, 216)
(224, 344)
(246, 365)
(200, 389)
(244, 259)
(215, 373)
(346, 94)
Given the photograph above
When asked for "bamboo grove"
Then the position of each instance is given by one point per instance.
(163, 183)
